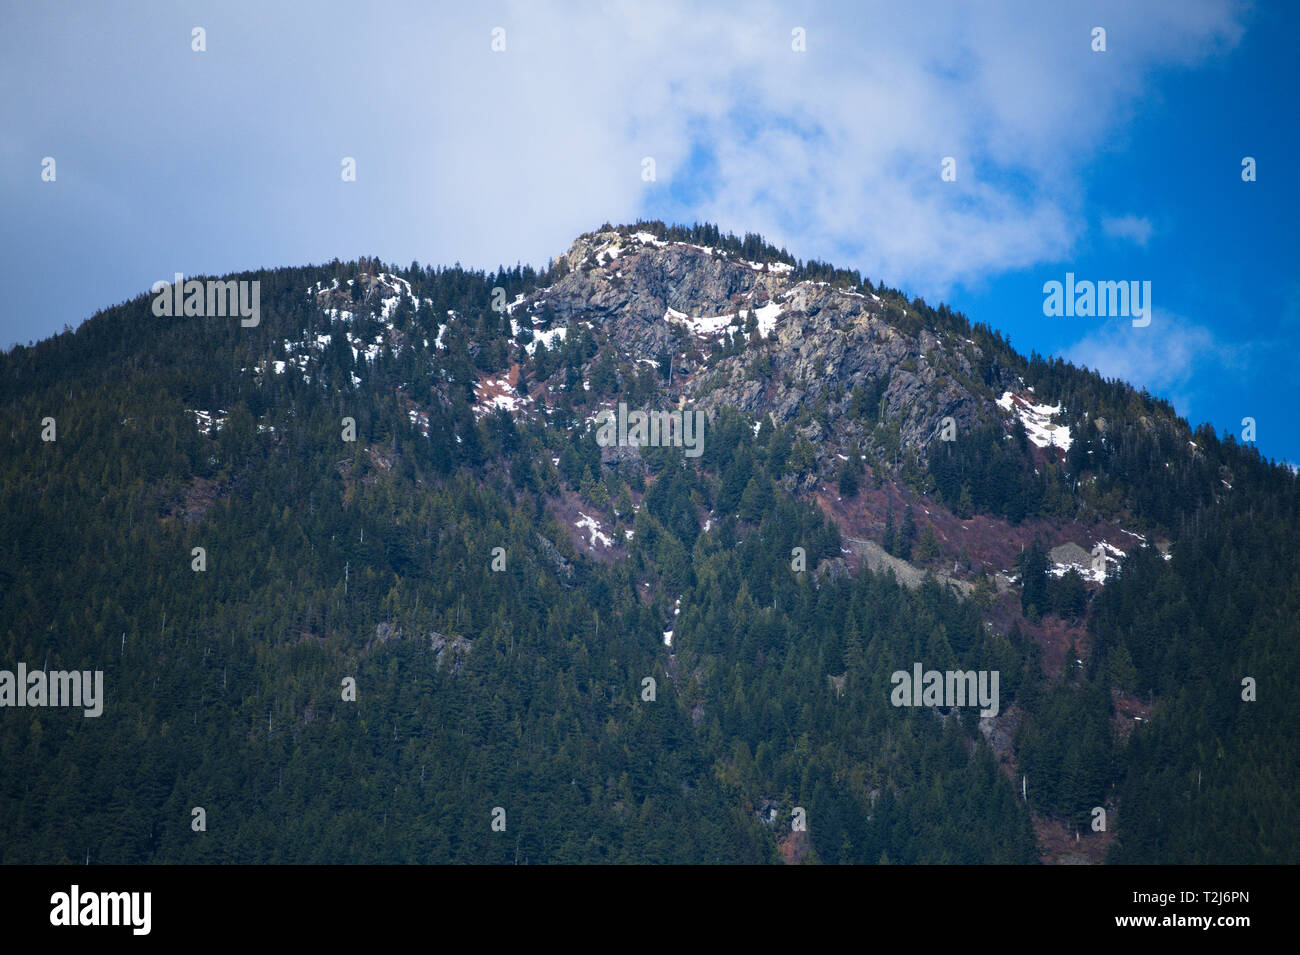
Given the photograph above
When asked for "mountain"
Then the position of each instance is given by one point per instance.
(365, 584)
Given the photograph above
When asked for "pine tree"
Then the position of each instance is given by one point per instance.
(848, 483)
(1032, 565)
(906, 534)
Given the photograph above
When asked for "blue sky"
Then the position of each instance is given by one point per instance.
(1115, 165)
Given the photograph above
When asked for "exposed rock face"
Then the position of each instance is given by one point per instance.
(384, 631)
(629, 296)
(878, 560)
(627, 457)
(1070, 553)
(1000, 732)
(831, 570)
(647, 278)
(658, 300)
(834, 345)
(561, 563)
(453, 649)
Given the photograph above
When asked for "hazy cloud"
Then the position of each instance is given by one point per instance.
(836, 151)
(1163, 357)
(1133, 228)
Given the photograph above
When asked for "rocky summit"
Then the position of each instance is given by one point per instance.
(820, 340)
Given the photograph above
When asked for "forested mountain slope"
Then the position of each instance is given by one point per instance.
(500, 586)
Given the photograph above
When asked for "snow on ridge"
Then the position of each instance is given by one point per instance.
(612, 249)
(319, 289)
(403, 287)
(709, 326)
(1037, 421)
(705, 325)
(547, 337)
(775, 268)
(645, 238)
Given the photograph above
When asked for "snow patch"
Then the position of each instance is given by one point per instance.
(548, 338)
(708, 326)
(208, 422)
(767, 316)
(1037, 420)
(586, 522)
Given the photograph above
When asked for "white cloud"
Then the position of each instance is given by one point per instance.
(468, 155)
(1133, 228)
(834, 152)
(1164, 357)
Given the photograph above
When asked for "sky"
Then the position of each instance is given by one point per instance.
(824, 126)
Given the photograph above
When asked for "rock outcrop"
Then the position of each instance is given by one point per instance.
(807, 346)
